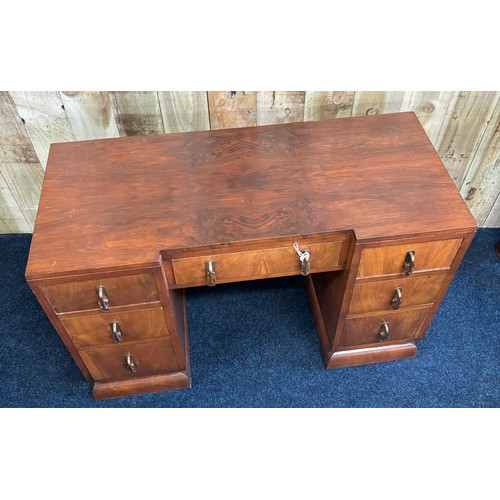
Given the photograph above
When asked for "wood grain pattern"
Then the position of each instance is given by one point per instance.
(137, 113)
(466, 123)
(232, 109)
(280, 107)
(370, 355)
(379, 261)
(184, 111)
(141, 385)
(403, 325)
(259, 264)
(218, 187)
(11, 217)
(81, 295)
(493, 219)
(482, 182)
(19, 166)
(109, 114)
(91, 114)
(151, 357)
(374, 103)
(376, 295)
(430, 108)
(95, 330)
(328, 105)
(45, 120)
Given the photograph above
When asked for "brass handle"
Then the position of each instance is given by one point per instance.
(129, 360)
(116, 332)
(103, 297)
(397, 298)
(210, 272)
(383, 332)
(409, 263)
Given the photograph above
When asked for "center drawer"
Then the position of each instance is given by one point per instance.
(256, 264)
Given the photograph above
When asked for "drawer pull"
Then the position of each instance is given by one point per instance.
(397, 298)
(116, 332)
(103, 297)
(129, 360)
(304, 258)
(384, 332)
(409, 263)
(210, 272)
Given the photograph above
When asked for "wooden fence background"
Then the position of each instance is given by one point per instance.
(464, 127)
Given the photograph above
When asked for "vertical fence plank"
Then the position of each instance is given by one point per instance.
(280, 107)
(90, 114)
(184, 111)
(430, 108)
(493, 219)
(137, 113)
(328, 105)
(45, 120)
(481, 184)
(19, 166)
(11, 217)
(463, 131)
(232, 109)
(374, 103)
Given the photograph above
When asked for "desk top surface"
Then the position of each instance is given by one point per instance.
(114, 203)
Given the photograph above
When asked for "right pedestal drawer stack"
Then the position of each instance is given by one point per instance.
(394, 291)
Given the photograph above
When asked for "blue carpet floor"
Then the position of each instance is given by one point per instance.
(255, 345)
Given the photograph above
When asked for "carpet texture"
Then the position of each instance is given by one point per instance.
(255, 345)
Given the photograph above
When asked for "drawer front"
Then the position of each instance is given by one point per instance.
(402, 325)
(82, 295)
(148, 358)
(95, 330)
(377, 295)
(380, 261)
(262, 263)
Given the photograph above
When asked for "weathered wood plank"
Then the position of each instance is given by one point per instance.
(430, 108)
(90, 114)
(328, 105)
(184, 111)
(493, 219)
(232, 109)
(11, 218)
(137, 113)
(374, 103)
(45, 120)
(280, 107)
(19, 165)
(481, 184)
(463, 131)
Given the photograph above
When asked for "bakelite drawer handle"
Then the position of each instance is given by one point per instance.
(129, 360)
(397, 298)
(383, 332)
(409, 263)
(210, 272)
(103, 297)
(116, 332)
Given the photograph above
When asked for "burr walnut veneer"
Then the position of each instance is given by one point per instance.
(362, 207)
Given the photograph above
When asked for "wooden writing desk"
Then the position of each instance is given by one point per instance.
(125, 225)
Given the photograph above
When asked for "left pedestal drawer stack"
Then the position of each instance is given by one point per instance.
(116, 325)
